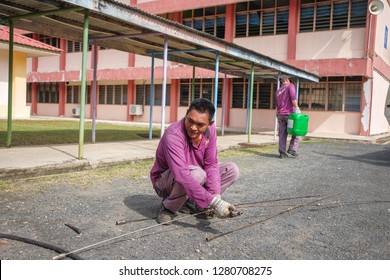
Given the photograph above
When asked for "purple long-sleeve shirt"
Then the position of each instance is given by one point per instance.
(176, 152)
(284, 97)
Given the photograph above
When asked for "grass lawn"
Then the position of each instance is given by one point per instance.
(49, 132)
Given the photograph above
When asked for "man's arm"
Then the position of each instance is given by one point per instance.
(174, 153)
(213, 181)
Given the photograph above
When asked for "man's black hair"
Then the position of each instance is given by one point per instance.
(203, 105)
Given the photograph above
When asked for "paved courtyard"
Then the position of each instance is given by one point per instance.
(332, 202)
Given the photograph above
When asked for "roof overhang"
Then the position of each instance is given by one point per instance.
(118, 26)
(29, 51)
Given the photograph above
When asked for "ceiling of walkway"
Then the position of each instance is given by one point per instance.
(117, 26)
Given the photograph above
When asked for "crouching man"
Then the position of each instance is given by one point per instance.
(186, 171)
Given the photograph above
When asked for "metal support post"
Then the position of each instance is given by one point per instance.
(151, 100)
(164, 89)
(83, 83)
(251, 102)
(10, 82)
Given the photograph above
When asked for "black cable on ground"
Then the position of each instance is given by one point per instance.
(40, 244)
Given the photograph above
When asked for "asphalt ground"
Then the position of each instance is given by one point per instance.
(332, 202)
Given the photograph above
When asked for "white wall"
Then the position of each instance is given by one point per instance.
(49, 63)
(146, 61)
(73, 61)
(379, 122)
(383, 22)
(320, 122)
(272, 46)
(113, 59)
(331, 44)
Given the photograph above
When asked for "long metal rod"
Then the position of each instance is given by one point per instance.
(64, 255)
(270, 217)
(10, 83)
(164, 89)
(151, 101)
(83, 83)
(94, 90)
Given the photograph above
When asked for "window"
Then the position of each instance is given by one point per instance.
(143, 95)
(72, 94)
(335, 97)
(48, 93)
(112, 95)
(52, 41)
(29, 93)
(330, 94)
(262, 94)
(353, 92)
(262, 17)
(204, 88)
(210, 20)
(332, 15)
(74, 46)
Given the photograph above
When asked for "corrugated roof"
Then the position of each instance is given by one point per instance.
(26, 41)
(122, 27)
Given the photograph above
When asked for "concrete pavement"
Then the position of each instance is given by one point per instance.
(17, 162)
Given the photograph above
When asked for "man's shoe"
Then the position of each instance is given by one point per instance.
(165, 215)
(191, 208)
(293, 153)
(283, 155)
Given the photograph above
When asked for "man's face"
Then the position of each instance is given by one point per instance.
(196, 123)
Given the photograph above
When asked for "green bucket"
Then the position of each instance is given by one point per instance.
(297, 124)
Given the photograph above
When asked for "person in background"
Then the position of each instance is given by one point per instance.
(286, 103)
(186, 171)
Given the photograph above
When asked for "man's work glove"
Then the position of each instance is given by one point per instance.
(297, 110)
(221, 208)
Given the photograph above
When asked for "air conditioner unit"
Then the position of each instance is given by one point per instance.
(76, 112)
(136, 110)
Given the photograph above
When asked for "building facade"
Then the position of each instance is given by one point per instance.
(24, 48)
(339, 40)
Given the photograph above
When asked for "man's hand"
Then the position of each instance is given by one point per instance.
(221, 208)
(297, 110)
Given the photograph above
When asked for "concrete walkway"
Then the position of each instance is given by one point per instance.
(17, 162)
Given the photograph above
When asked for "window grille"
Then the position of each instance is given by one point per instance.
(332, 15)
(210, 20)
(143, 95)
(261, 17)
(203, 88)
(48, 93)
